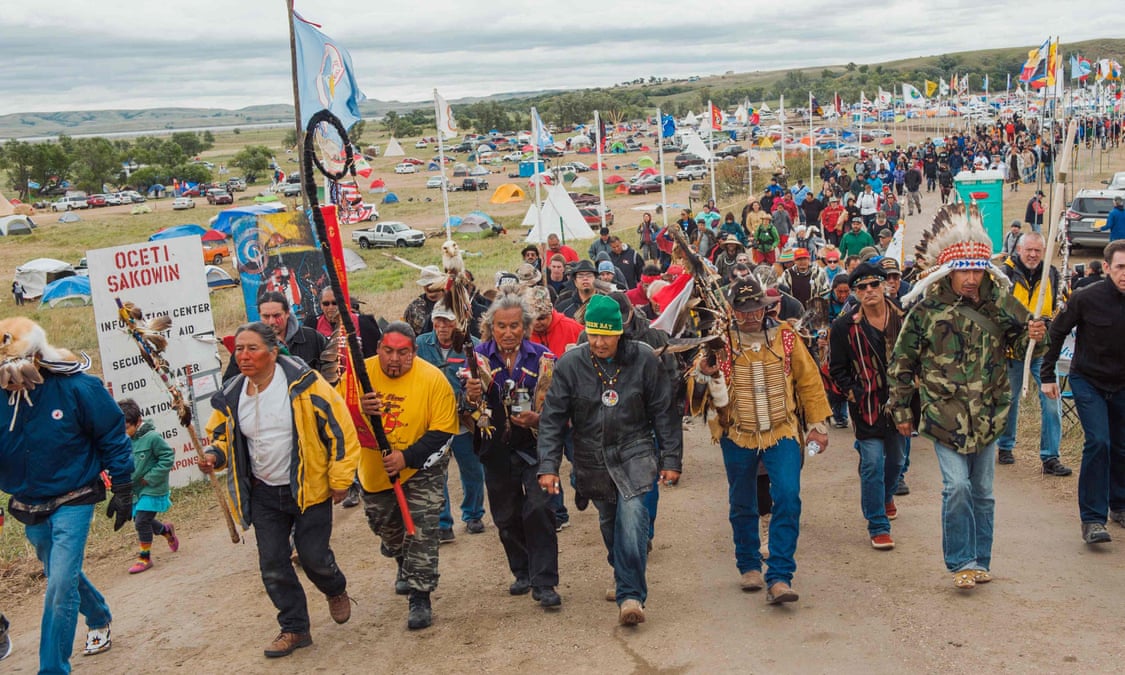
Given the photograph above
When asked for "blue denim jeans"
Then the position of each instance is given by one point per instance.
(967, 507)
(1050, 413)
(274, 514)
(60, 544)
(652, 503)
(880, 466)
(840, 409)
(783, 462)
(1101, 482)
(472, 483)
(558, 505)
(624, 525)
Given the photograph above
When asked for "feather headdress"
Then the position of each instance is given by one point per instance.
(956, 241)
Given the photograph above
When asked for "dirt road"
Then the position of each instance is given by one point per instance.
(1054, 606)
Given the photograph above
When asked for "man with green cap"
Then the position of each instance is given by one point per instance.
(618, 399)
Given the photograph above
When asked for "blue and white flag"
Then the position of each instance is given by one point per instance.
(667, 126)
(325, 78)
(543, 138)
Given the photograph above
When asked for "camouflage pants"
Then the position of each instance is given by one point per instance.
(425, 493)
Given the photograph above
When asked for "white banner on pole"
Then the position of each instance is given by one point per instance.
(163, 278)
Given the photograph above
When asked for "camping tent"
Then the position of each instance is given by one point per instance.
(507, 193)
(178, 231)
(479, 171)
(390, 198)
(69, 217)
(14, 225)
(581, 182)
(645, 162)
(67, 292)
(393, 149)
(694, 144)
(353, 261)
(36, 274)
(215, 235)
(559, 216)
(225, 220)
(6, 208)
(217, 277)
(614, 180)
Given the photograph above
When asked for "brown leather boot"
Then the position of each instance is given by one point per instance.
(285, 643)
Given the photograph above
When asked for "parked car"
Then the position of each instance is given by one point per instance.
(463, 146)
(645, 185)
(236, 185)
(405, 168)
(1115, 183)
(575, 167)
(673, 147)
(181, 203)
(550, 151)
(114, 200)
(732, 150)
(96, 200)
(68, 203)
(421, 144)
(215, 252)
(513, 156)
(687, 159)
(692, 172)
(474, 183)
(291, 189)
(131, 197)
(390, 233)
(435, 181)
(412, 160)
(592, 215)
(219, 196)
(1086, 217)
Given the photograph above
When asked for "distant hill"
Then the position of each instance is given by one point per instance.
(847, 79)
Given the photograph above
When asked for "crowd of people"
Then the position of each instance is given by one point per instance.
(566, 379)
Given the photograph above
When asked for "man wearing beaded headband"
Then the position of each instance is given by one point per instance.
(774, 383)
(619, 400)
(957, 335)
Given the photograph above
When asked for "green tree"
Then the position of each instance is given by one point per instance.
(191, 143)
(209, 139)
(18, 158)
(253, 160)
(94, 162)
(290, 138)
(356, 132)
(157, 152)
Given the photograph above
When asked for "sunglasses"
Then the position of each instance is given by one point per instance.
(869, 284)
(327, 303)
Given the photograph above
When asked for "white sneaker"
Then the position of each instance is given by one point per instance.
(764, 536)
(97, 641)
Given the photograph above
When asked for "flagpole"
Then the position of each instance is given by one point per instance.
(598, 145)
(781, 116)
(810, 142)
(293, 66)
(441, 166)
(660, 155)
(711, 142)
(536, 174)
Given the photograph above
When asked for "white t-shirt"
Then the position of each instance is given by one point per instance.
(267, 423)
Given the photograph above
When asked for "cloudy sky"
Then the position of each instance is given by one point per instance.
(83, 55)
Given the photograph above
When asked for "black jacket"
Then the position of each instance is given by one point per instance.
(1098, 312)
(614, 447)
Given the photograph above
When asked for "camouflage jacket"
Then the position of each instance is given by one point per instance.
(959, 367)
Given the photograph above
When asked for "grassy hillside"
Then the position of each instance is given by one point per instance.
(848, 79)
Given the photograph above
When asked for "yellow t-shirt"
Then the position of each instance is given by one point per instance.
(419, 401)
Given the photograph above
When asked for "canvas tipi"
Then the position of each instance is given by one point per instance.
(560, 216)
(393, 149)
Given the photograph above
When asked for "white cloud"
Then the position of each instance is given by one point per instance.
(80, 55)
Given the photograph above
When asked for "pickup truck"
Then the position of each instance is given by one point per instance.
(391, 233)
(474, 184)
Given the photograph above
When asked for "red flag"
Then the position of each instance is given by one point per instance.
(838, 104)
(716, 117)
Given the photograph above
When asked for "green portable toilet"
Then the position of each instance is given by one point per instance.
(986, 188)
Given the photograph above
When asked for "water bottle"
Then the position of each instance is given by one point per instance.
(812, 447)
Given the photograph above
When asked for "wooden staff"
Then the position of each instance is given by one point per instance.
(1058, 196)
(159, 365)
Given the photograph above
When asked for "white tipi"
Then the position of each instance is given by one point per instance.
(393, 149)
(560, 216)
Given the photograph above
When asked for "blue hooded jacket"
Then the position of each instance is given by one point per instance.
(71, 432)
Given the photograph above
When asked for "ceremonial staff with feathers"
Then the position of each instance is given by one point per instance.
(151, 343)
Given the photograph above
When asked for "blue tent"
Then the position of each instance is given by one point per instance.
(454, 221)
(178, 231)
(224, 222)
(432, 166)
(71, 291)
(390, 198)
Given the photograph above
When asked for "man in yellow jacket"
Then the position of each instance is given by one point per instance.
(419, 415)
(290, 450)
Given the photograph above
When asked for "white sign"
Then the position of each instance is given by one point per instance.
(163, 278)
